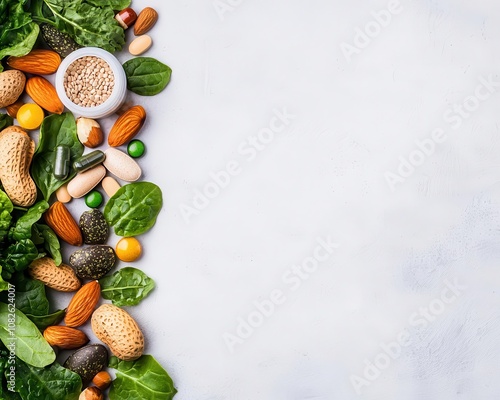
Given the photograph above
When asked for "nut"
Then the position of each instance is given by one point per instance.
(38, 62)
(82, 304)
(91, 393)
(102, 380)
(145, 21)
(127, 126)
(16, 152)
(14, 108)
(61, 278)
(126, 18)
(65, 337)
(63, 224)
(89, 132)
(44, 94)
(11, 87)
(117, 329)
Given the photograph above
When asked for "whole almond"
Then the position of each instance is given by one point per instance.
(82, 304)
(91, 393)
(62, 278)
(65, 337)
(38, 62)
(117, 329)
(44, 94)
(145, 21)
(102, 380)
(63, 224)
(89, 132)
(127, 126)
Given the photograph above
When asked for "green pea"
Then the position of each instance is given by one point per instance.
(93, 199)
(136, 148)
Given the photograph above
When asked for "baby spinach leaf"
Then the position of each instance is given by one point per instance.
(126, 287)
(18, 256)
(114, 4)
(22, 229)
(133, 208)
(30, 295)
(54, 382)
(56, 130)
(43, 321)
(146, 76)
(5, 121)
(143, 378)
(88, 24)
(6, 208)
(5, 365)
(51, 242)
(3, 285)
(31, 347)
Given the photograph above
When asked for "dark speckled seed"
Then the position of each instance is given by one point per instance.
(88, 361)
(94, 227)
(93, 262)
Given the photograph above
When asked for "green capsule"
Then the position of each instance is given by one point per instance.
(61, 162)
(89, 160)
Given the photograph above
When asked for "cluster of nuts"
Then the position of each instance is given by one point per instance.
(89, 81)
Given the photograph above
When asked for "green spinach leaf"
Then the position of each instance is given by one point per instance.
(146, 76)
(30, 295)
(143, 378)
(55, 130)
(54, 382)
(114, 4)
(22, 229)
(126, 287)
(51, 242)
(43, 321)
(18, 256)
(3, 285)
(6, 208)
(31, 347)
(133, 208)
(88, 24)
(5, 121)
(6, 364)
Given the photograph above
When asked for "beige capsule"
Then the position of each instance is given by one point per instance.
(110, 186)
(84, 182)
(140, 45)
(122, 165)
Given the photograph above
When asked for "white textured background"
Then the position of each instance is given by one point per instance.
(324, 176)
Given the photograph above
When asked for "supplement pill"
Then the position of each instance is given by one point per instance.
(61, 163)
(89, 160)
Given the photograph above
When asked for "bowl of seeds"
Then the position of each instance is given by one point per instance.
(91, 83)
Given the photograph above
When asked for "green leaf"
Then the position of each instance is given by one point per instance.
(143, 378)
(6, 208)
(114, 4)
(51, 242)
(22, 229)
(126, 287)
(5, 364)
(87, 24)
(31, 347)
(18, 256)
(146, 76)
(3, 285)
(5, 121)
(43, 321)
(30, 295)
(54, 382)
(133, 208)
(56, 130)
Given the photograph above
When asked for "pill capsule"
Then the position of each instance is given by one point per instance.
(89, 160)
(61, 163)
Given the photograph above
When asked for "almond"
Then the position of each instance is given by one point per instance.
(14, 108)
(65, 337)
(63, 224)
(117, 329)
(91, 393)
(44, 94)
(127, 126)
(62, 278)
(89, 132)
(102, 380)
(82, 304)
(38, 62)
(145, 21)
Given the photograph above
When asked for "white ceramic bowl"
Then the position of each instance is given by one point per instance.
(117, 96)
